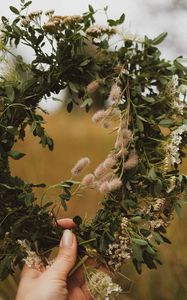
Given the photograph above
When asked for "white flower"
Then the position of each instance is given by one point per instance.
(173, 146)
(101, 286)
(175, 80)
(32, 259)
(134, 38)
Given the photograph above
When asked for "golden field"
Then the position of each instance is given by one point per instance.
(76, 136)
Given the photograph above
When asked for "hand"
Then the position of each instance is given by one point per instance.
(52, 283)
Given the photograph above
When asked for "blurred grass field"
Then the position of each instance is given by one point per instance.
(76, 136)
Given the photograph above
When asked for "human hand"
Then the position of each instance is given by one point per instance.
(53, 283)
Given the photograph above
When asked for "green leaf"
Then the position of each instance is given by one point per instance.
(65, 197)
(136, 219)
(64, 205)
(158, 187)
(84, 62)
(10, 93)
(179, 66)
(150, 250)
(139, 124)
(148, 99)
(152, 174)
(16, 155)
(166, 123)
(91, 9)
(14, 10)
(77, 220)
(137, 252)
(159, 39)
(158, 237)
(116, 22)
(87, 101)
(139, 242)
(70, 107)
(178, 209)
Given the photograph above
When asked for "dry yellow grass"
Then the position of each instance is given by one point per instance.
(76, 136)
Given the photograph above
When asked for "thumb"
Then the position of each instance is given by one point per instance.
(66, 257)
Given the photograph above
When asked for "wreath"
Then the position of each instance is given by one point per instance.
(143, 97)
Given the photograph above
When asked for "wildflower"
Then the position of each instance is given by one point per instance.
(99, 115)
(134, 38)
(35, 14)
(132, 161)
(106, 177)
(124, 223)
(158, 206)
(119, 251)
(115, 184)
(114, 95)
(101, 286)
(25, 22)
(88, 180)
(71, 19)
(173, 156)
(123, 139)
(49, 12)
(92, 87)
(110, 186)
(157, 223)
(105, 124)
(175, 80)
(104, 187)
(32, 259)
(172, 184)
(100, 170)
(80, 165)
(110, 161)
(96, 30)
(182, 89)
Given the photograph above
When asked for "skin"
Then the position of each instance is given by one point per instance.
(53, 282)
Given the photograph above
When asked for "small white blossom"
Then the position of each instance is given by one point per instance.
(172, 184)
(32, 259)
(173, 156)
(101, 286)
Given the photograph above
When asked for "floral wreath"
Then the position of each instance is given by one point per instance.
(140, 179)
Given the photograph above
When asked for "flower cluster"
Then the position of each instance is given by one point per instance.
(173, 156)
(134, 37)
(176, 94)
(97, 30)
(32, 260)
(120, 251)
(101, 286)
(58, 22)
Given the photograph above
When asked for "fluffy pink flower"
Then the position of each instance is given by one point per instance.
(104, 187)
(100, 170)
(92, 87)
(115, 92)
(132, 160)
(115, 184)
(110, 161)
(99, 116)
(88, 180)
(80, 165)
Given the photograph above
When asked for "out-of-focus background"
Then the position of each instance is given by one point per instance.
(76, 136)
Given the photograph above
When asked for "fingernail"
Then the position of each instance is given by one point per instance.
(67, 239)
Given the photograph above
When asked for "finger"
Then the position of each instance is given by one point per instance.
(66, 256)
(29, 273)
(75, 292)
(86, 292)
(66, 223)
